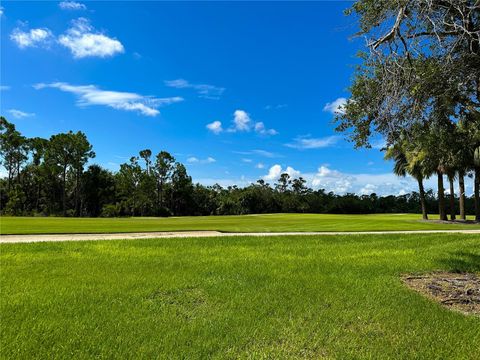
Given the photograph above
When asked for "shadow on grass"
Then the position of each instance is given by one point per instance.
(462, 261)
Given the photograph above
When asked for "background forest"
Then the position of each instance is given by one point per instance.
(51, 177)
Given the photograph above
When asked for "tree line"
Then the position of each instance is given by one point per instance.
(51, 177)
(418, 86)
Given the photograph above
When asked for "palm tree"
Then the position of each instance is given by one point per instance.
(451, 174)
(463, 161)
(408, 163)
(471, 142)
(434, 140)
(476, 164)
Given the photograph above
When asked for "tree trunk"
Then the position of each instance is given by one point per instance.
(77, 194)
(158, 198)
(441, 197)
(10, 172)
(64, 201)
(452, 199)
(461, 186)
(37, 200)
(422, 199)
(161, 194)
(477, 193)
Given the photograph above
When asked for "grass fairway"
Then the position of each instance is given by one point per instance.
(274, 297)
(242, 223)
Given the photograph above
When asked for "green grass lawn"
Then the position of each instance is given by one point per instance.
(243, 223)
(274, 297)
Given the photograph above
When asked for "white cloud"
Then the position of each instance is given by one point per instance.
(362, 184)
(369, 189)
(273, 173)
(379, 144)
(276, 170)
(4, 87)
(178, 83)
(260, 166)
(313, 143)
(275, 107)
(241, 121)
(18, 114)
(245, 160)
(241, 182)
(1, 10)
(31, 38)
(215, 127)
(203, 90)
(195, 160)
(71, 5)
(336, 106)
(92, 95)
(84, 42)
(339, 182)
(263, 153)
(260, 128)
(292, 172)
(324, 171)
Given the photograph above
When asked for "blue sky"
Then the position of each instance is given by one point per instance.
(236, 91)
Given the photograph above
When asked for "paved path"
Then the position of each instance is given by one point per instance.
(183, 234)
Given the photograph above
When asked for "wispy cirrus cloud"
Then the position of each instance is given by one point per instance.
(91, 95)
(19, 114)
(258, 152)
(4, 87)
(39, 37)
(306, 142)
(203, 90)
(336, 106)
(195, 160)
(84, 41)
(275, 107)
(71, 5)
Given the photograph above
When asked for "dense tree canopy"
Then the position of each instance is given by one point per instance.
(418, 87)
(48, 177)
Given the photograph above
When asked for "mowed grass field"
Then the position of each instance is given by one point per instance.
(332, 297)
(242, 223)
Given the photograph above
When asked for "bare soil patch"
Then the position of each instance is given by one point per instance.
(451, 222)
(456, 291)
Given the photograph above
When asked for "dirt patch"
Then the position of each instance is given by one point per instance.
(456, 291)
(452, 222)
